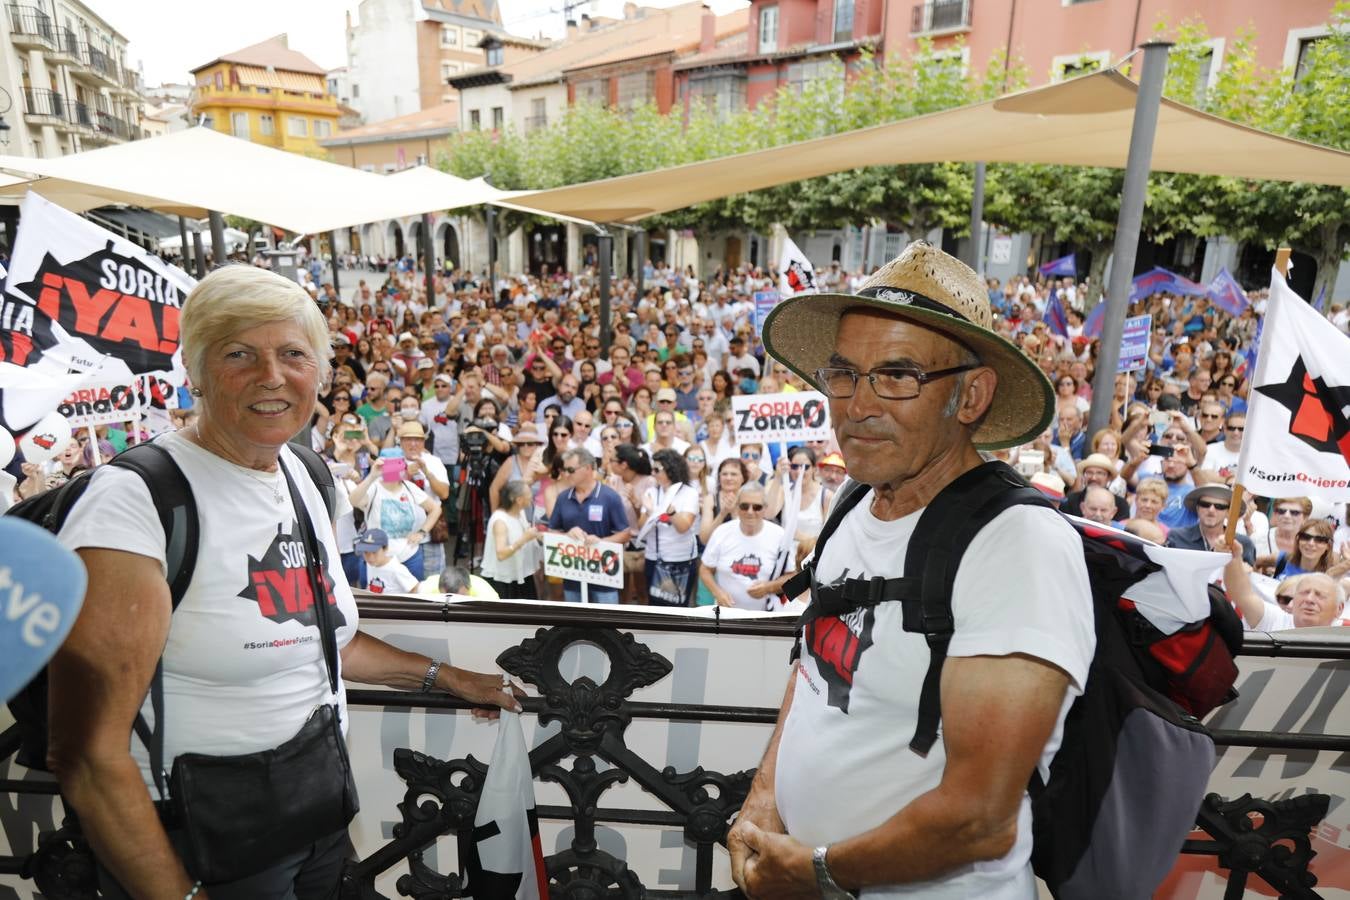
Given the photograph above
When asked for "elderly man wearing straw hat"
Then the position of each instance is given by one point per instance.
(918, 383)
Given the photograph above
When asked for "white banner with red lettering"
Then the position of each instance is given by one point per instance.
(82, 306)
(780, 418)
(103, 404)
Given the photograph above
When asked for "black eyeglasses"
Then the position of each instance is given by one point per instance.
(1205, 415)
(1315, 538)
(747, 507)
(1288, 512)
(570, 470)
(1211, 504)
(562, 434)
(797, 467)
(888, 382)
(1236, 427)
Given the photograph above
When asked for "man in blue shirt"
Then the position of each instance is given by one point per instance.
(587, 510)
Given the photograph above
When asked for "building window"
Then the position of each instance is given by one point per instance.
(471, 38)
(636, 89)
(367, 167)
(475, 120)
(1304, 58)
(356, 91)
(449, 70)
(265, 125)
(843, 20)
(238, 124)
(594, 90)
(498, 118)
(323, 128)
(220, 81)
(450, 36)
(495, 55)
(826, 70)
(1062, 68)
(538, 114)
(297, 126)
(720, 95)
(768, 29)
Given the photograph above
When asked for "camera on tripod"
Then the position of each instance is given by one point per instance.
(475, 446)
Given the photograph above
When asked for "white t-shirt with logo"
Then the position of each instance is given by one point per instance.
(664, 541)
(844, 765)
(391, 578)
(398, 513)
(243, 664)
(741, 559)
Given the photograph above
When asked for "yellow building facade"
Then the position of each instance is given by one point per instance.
(267, 94)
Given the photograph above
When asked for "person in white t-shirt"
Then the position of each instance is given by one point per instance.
(917, 384)
(740, 563)
(243, 661)
(384, 574)
(1316, 600)
(668, 522)
(1222, 456)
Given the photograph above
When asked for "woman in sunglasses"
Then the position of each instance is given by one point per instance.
(1286, 518)
(1312, 550)
(797, 478)
(671, 505)
(741, 561)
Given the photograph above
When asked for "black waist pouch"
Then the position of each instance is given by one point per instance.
(242, 814)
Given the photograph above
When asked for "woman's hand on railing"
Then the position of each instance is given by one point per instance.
(493, 692)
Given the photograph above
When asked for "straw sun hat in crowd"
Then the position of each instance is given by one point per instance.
(930, 288)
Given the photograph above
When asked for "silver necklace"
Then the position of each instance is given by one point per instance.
(274, 485)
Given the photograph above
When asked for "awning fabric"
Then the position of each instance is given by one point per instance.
(192, 171)
(1082, 122)
(151, 224)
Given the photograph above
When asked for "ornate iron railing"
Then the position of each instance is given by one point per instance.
(441, 796)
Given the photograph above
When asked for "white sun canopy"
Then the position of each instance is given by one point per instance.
(1083, 122)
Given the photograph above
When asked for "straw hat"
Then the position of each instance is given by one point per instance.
(931, 288)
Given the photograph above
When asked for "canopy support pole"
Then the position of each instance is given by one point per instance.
(183, 245)
(640, 259)
(1140, 159)
(605, 253)
(199, 254)
(977, 220)
(492, 249)
(429, 260)
(219, 253)
(333, 256)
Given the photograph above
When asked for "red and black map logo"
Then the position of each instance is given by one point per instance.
(1317, 410)
(279, 582)
(118, 305)
(837, 644)
(747, 566)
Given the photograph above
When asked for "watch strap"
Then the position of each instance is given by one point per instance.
(829, 888)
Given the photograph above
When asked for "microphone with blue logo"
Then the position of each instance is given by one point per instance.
(41, 592)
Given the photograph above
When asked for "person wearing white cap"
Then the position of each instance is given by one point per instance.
(918, 383)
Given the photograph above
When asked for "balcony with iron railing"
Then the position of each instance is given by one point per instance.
(642, 739)
(80, 115)
(40, 105)
(30, 27)
(102, 65)
(65, 48)
(941, 17)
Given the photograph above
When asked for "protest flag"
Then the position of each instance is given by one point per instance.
(506, 859)
(82, 305)
(1158, 280)
(1297, 441)
(1225, 293)
(795, 272)
(1065, 265)
(1055, 316)
(1092, 328)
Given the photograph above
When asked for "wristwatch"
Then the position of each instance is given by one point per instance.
(829, 888)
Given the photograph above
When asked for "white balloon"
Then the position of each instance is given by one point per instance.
(46, 439)
(6, 447)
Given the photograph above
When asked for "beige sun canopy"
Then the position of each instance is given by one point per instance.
(190, 172)
(1082, 122)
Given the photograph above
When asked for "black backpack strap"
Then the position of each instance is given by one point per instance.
(172, 496)
(319, 473)
(944, 531)
(849, 496)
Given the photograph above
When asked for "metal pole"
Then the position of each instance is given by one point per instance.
(976, 260)
(1127, 228)
(199, 254)
(429, 260)
(218, 254)
(641, 259)
(183, 245)
(492, 251)
(605, 250)
(332, 248)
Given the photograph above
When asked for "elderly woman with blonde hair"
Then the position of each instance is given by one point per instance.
(245, 674)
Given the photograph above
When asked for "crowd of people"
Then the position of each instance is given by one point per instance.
(467, 424)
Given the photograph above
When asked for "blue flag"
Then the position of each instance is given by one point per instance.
(1065, 265)
(1248, 367)
(1093, 326)
(1158, 280)
(1225, 293)
(1055, 316)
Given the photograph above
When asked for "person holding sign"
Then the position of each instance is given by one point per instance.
(588, 511)
(668, 519)
(511, 551)
(740, 559)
